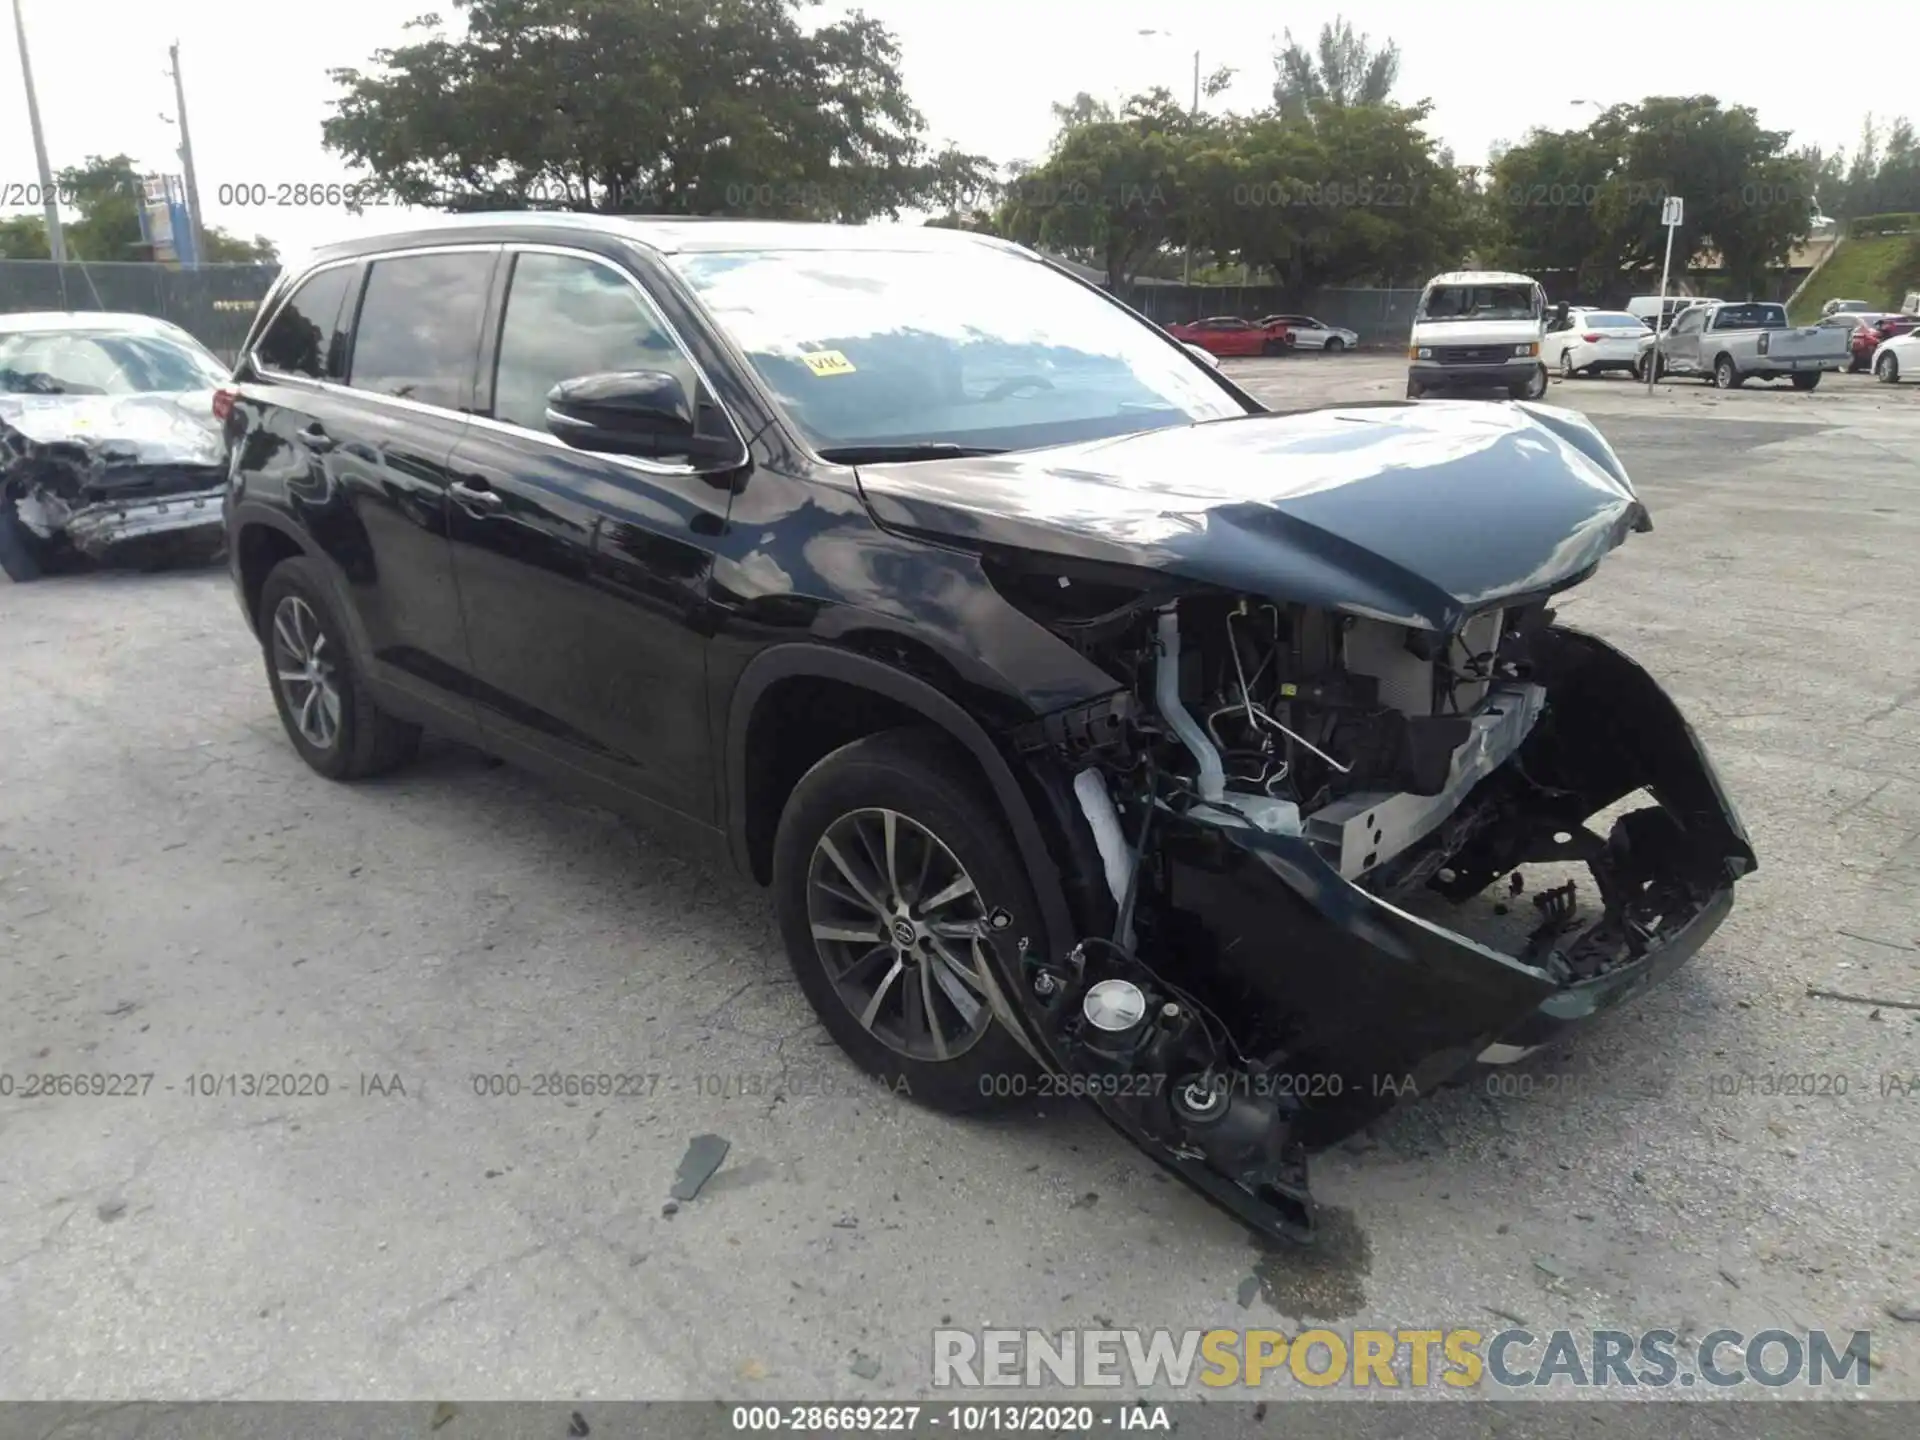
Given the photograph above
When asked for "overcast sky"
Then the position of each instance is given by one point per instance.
(984, 72)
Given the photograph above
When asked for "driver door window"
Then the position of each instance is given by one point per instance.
(568, 316)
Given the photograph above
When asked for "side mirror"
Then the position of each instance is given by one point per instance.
(1212, 360)
(637, 412)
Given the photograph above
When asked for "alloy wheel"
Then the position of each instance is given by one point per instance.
(305, 672)
(901, 930)
(1887, 370)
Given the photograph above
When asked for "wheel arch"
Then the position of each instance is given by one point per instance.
(911, 698)
(260, 542)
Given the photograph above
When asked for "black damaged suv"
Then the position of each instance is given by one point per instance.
(1081, 715)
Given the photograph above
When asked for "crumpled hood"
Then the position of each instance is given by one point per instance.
(1415, 514)
(143, 429)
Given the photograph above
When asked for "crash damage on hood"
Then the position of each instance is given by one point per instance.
(1342, 712)
(128, 479)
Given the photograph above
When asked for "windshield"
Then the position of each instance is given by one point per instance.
(977, 348)
(1478, 302)
(1613, 320)
(1750, 317)
(83, 362)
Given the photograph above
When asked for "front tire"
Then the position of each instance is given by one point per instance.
(1335, 345)
(1887, 369)
(1532, 388)
(886, 863)
(323, 700)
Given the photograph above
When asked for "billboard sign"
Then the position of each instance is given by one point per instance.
(164, 222)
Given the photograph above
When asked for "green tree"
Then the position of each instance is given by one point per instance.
(1882, 175)
(1114, 189)
(106, 192)
(225, 249)
(24, 237)
(1343, 69)
(666, 106)
(1540, 203)
(1590, 201)
(1360, 194)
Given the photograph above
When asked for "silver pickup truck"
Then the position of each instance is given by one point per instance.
(1728, 343)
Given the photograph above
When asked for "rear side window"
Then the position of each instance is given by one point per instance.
(306, 337)
(419, 329)
(568, 317)
(1750, 317)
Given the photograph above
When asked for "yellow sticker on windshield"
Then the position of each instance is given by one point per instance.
(828, 362)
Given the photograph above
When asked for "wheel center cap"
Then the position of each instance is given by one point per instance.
(905, 933)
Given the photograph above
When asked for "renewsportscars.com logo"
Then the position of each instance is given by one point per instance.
(1393, 1359)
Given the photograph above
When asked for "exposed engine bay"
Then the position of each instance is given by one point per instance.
(1274, 790)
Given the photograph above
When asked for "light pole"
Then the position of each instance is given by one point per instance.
(1193, 111)
(194, 232)
(56, 241)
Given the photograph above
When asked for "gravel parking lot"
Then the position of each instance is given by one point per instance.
(179, 896)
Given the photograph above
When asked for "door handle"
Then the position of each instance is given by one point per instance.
(316, 439)
(475, 497)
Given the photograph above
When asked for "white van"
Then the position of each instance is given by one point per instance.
(1477, 329)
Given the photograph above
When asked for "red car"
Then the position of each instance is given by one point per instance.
(1867, 338)
(1230, 335)
(1871, 332)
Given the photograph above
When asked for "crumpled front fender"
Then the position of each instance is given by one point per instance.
(1365, 1004)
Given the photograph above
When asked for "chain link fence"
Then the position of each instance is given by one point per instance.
(213, 303)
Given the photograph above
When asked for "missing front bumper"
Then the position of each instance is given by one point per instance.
(1287, 1005)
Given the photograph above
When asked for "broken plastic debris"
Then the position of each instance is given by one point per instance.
(704, 1156)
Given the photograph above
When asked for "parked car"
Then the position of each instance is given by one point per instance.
(1898, 358)
(1478, 329)
(1870, 333)
(1084, 718)
(1834, 307)
(1728, 343)
(1656, 311)
(1228, 335)
(1853, 325)
(1592, 342)
(109, 449)
(1310, 334)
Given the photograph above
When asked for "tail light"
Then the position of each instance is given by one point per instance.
(1591, 339)
(223, 404)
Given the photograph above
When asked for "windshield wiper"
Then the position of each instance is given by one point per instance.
(881, 454)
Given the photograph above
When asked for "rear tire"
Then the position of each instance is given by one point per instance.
(1887, 369)
(871, 805)
(1726, 375)
(1805, 380)
(331, 718)
(1567, 372)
